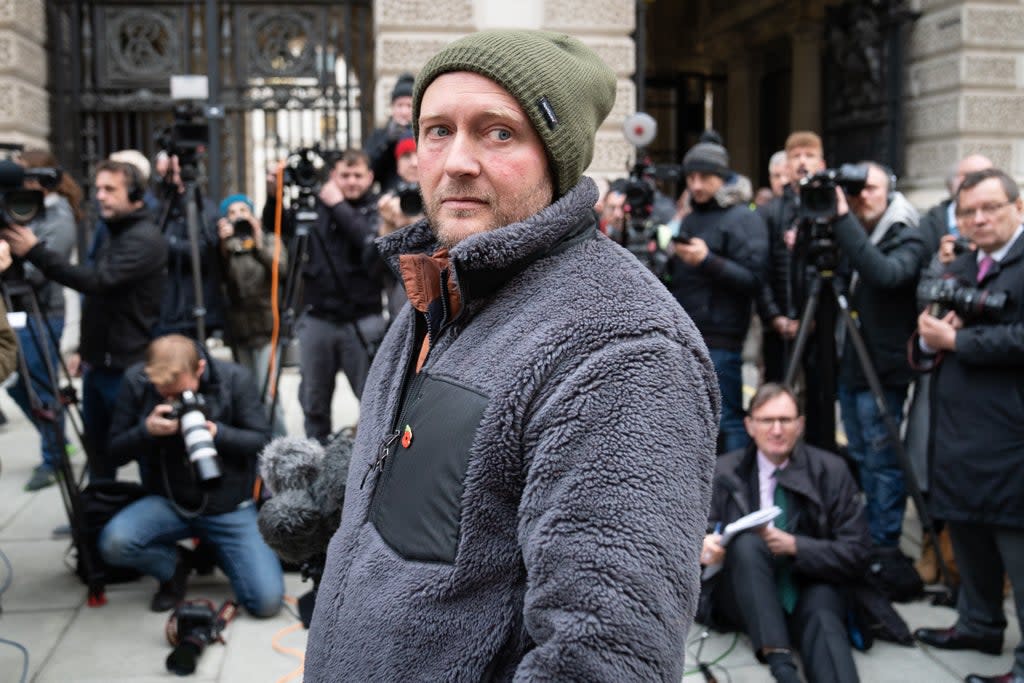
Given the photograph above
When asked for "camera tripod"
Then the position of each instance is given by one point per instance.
(824, 253)
(49, 419)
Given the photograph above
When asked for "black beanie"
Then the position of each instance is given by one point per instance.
(403, 87)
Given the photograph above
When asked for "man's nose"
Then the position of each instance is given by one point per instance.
(461, 159)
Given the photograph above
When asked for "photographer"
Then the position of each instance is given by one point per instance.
(380, 146)
(401, 207)
(8, 340)
(180, 504)
(977, 482)
(716, 270)
(247, 255)
(342, 319)
(121, 302)
(57, 227)
(883, 252)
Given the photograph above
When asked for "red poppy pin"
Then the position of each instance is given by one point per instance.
(407, 437)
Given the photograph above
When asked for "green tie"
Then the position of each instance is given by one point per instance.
(784, 584)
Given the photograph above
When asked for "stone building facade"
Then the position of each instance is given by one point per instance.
(24, 104)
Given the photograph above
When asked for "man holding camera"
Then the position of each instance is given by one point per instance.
(716, 268)
(530, 478)
(884, 252)
(342, 321)
(382, 144)
(181, 504)
(977, 482)
(401, 207)
(782, 584)
(121, 304)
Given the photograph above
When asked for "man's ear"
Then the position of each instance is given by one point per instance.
(201, 367)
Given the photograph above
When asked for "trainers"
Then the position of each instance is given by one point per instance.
(42, 476)
(172, 592)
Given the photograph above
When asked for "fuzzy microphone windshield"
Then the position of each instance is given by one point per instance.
(308, 483)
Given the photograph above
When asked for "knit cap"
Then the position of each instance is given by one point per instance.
(232, 199)
(403, 87)
(562, 85)
(707, 157)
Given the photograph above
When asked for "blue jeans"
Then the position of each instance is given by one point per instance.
(881, 476)
(729, 368)
(144, 536)
(30, 341)
(100, 387)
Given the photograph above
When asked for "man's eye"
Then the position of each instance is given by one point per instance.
(501, 134)
(439, 131)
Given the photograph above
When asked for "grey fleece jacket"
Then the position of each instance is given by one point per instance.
(545, 517)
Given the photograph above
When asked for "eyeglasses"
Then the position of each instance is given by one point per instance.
(987, 210)
(770, 421)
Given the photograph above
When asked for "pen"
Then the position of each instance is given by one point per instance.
(718, 527)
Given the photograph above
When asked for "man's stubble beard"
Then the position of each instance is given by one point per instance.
(539, 197)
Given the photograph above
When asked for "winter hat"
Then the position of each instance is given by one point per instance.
(405, 146)
(232, 199)
(707, 157)
(403, 87)
(562, 85)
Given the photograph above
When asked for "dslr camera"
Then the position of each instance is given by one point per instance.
(409, 198)
(970, 303)
(190, 410)
(191, 627)
(818, 191)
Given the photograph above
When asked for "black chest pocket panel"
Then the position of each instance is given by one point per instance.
(417, 504)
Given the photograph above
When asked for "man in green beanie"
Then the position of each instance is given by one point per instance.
(530, 481)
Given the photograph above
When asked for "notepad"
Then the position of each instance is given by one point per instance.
(755, 520)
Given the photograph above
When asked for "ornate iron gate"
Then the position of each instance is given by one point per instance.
(281, 76)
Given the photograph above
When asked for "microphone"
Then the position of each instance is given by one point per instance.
(308, 483)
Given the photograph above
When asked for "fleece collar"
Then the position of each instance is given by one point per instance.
(482, 263)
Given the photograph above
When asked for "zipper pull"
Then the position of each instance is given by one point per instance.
(387, 446)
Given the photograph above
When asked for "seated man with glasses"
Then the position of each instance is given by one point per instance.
(782, 584)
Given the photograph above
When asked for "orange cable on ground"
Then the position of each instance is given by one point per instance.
(298, 654)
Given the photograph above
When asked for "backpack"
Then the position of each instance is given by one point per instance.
(893, 573)
(102, 500)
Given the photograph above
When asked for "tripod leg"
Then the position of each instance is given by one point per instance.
(804, 332)
(868, 368)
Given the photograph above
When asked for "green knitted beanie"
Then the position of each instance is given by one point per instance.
(562, 85)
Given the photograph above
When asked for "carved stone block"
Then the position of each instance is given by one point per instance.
(27, 16)
(937, 33)
(22, 57)
(576, 16)
(933, 116)
(625, 104)
(990, 113)
(618, 53)
(935, 75)
(400, 52)
(994, 26)
(24, 108)
(450, 15)
(998, 70)
(612, 155)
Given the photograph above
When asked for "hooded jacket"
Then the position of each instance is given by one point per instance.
(532, 502)
(122, 289)
(718, 293)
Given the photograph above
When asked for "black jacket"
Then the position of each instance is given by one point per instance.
(883, 300)
(934, 225)
(380, 148)
(122, 289)
(718, 293)
(826, 514)
(978, 406)
(775, 297)
(338, 285)
(177, 308)
(232, 402)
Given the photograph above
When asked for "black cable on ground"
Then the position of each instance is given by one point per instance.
(18, 646)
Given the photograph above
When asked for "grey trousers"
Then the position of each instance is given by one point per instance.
(983, 552)
(326, 347)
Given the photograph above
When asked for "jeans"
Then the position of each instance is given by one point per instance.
(257, 360)
(729, 368)
(144, 536)
(30, 341)
(881, 476)
(100, 387)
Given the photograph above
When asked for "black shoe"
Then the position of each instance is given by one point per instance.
(1004, 678)
(782, 666)
(950, 639)
(172, 592)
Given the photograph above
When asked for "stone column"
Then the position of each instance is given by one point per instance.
(741, 133)
(24, 107)
(805, 102)
(408, 32)
(965, 86)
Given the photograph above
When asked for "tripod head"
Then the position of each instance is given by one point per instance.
(816, 245)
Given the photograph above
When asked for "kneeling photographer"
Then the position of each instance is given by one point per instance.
(196, 426)
(883, 252)
(973, 339)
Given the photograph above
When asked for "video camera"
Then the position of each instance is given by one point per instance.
(191, 627)
(190, 409)
(18, 205)
(818, 191)
(970, 303)
(187, 137)
(304, 168)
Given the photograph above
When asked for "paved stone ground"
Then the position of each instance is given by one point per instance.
(44, 607)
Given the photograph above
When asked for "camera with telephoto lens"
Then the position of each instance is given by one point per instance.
(17, 204)
(190, 408)
(818, 191)
(970, 303)
(191, 627)
(243, 229)
(409, 198)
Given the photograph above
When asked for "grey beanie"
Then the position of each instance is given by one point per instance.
(562, 85)
(707, 157)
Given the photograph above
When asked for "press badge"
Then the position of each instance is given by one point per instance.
(17, 319)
